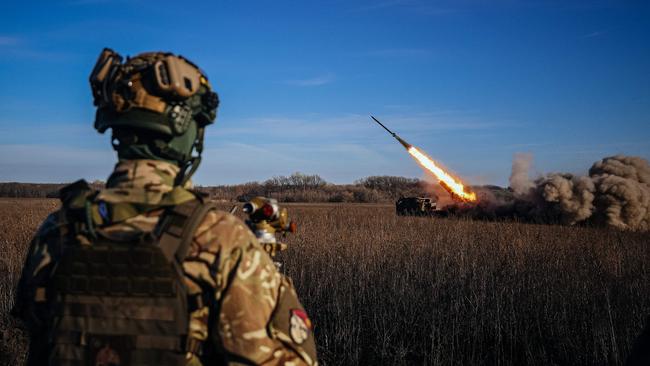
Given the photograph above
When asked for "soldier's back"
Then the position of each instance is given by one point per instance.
(175, 285)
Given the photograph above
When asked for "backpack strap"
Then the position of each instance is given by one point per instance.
(178, 225)
(175, 232)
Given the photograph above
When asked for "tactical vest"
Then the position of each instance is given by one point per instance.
(122, 302)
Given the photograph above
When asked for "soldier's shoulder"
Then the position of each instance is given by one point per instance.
(222, 231)
(71, 196)
(51, 225)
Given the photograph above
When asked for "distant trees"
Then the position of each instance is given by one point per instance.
(300, 187)
(391, 185)
(297, 187)
(31, 190)
(294, 183)
(37, 190)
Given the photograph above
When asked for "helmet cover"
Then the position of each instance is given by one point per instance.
(156, 91)
(157, 105)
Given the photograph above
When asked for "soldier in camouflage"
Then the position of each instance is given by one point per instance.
(147, 271)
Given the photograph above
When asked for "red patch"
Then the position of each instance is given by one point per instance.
(302, 315)
(107, 356)
(299, 326)
(106, 350)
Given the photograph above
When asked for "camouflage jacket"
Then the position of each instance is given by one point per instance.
(253, 321)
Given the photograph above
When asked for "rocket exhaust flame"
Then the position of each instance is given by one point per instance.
(457, 190)
(452, 185)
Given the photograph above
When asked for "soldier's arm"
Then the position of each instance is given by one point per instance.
(30, 305)
(38, 264)
(258, 318)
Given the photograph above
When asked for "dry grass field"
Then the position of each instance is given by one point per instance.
(391, 290)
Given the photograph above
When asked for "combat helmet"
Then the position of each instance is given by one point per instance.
(157, 105)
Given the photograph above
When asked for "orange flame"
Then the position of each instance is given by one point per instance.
(455, 187)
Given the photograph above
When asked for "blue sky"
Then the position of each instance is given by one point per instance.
(468, 82)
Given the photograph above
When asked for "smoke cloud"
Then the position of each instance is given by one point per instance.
(574, 196)
(519, 180)
(616, 193)
(622, 192)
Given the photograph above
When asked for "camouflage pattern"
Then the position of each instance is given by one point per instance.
(256, 316)
(136, 186)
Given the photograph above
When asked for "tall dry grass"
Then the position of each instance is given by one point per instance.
(19, 219)
(394, 290)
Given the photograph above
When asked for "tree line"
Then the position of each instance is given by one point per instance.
(300, 187)
(297, 187)
(36, 190)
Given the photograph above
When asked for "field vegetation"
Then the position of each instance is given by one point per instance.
(391, 290)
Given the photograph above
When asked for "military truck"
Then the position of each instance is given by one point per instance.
(415, 206)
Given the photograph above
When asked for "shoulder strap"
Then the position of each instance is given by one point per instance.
(178, 225)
